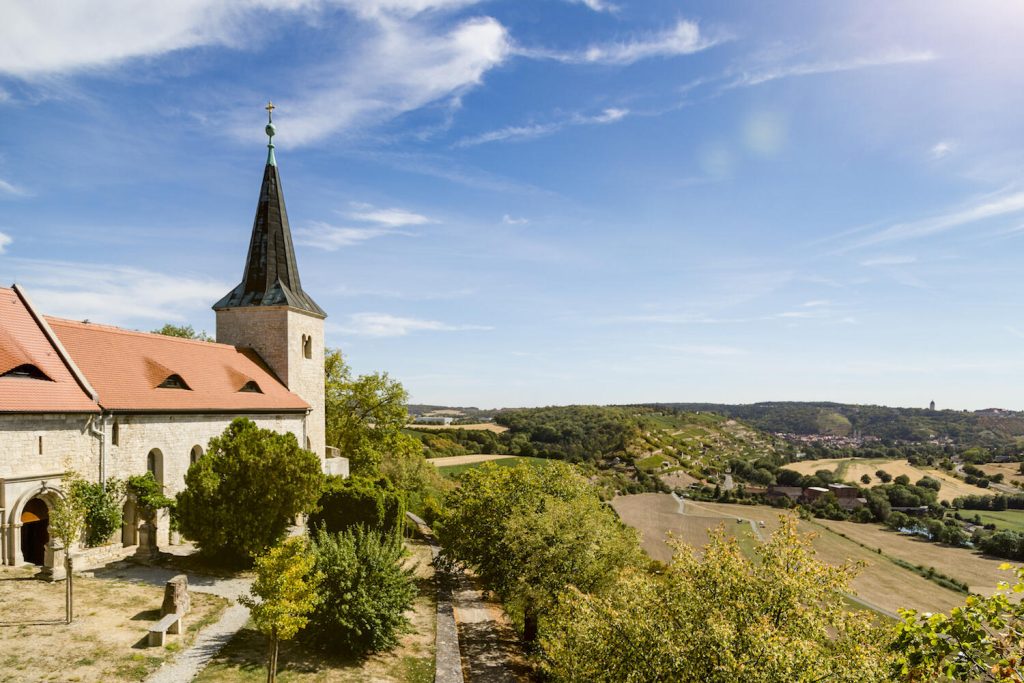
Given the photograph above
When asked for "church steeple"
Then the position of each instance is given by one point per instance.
(271, 276)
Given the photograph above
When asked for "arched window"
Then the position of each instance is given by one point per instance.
(197, 452)
(309, 444)
(307, 346)
(155, 465)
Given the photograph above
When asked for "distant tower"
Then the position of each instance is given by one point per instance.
(931, 406)
(270, 313)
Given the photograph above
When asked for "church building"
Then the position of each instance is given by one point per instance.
(105, 402)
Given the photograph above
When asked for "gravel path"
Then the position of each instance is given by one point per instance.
(466, 459)
(190, 662)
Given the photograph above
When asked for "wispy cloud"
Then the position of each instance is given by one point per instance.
(393, 218)
(401, 66)
(387, 325)
(774, 73)
(509, 220)
(597, 5)
(941, 149)
(4, 241)
(120, 295)
(992, 206)
(11, 189)
(528, 132)
(381, 222)
(682, 39)
(889, 260)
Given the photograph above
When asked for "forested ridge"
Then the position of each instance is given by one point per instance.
(991, 427)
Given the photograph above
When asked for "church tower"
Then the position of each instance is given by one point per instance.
(269, 312)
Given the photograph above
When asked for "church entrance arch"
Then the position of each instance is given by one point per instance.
(35, 531)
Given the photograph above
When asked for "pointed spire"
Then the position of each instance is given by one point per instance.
(271, 276)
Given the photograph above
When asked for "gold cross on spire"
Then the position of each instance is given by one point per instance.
(270, 110)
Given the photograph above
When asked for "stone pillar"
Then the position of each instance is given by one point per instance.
(4, 539)
(176, 597)
(15, 557)
(147, 549)
(53, 563)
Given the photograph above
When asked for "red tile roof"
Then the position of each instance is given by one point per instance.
(126, 369)
(23, 341)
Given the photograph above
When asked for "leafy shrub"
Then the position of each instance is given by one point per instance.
(240, 497)
(364, 592)
(102, 509)
(345, 503)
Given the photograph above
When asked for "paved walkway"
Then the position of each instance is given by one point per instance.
(190, 662)
(490, 647)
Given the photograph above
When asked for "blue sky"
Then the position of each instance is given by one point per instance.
(536, 202)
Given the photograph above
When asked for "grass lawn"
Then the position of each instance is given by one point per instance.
(453, 471)
(1004, 519)
(106, 642)
(244, 658)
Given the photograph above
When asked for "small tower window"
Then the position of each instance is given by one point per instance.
(174, 382)
(307, 346)
(40, 445)
(115, 434)
(251, 387)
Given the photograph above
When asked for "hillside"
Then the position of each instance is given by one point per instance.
(625, 448)
(991, 428)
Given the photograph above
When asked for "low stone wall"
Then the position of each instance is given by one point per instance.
(86, 559)
(447, 655)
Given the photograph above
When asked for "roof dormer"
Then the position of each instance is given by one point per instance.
(26, 371)
(174, 382)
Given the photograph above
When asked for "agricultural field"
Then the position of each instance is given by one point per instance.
(1003, 519)
(1009, 470)
(448, 467)
(979, 572)
(851, 470)
(479, 427)
(881, 584)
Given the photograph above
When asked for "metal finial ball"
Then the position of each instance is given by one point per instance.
(271, 130)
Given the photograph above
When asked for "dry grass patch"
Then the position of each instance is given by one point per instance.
(1009, 470)
(852, 469)
(107, 641)
(244, 658)
(481, 427)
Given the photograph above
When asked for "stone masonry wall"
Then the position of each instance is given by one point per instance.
(276, 334)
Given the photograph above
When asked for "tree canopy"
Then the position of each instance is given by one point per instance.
(717, 616)
(240, 497)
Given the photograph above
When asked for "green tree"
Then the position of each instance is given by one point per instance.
(530, 531)
(365, 415)
(67, 523)
(717, 616)
(240, 497)
(286, 587)
(344, 503)
(364, 594)
(103, 515)
(981, 641)
(183, 331)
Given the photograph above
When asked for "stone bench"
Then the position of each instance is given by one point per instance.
(172, 623)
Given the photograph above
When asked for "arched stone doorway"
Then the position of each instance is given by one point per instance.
(35, 531)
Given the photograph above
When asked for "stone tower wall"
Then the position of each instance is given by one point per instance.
(276, 333)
